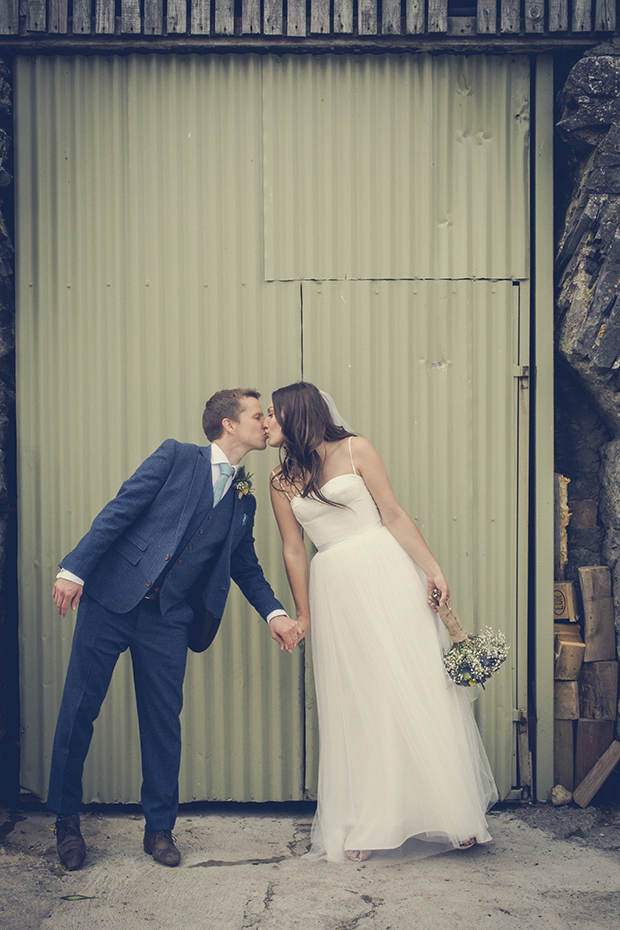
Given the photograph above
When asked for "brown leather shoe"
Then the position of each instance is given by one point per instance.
(160, 846)
(70, 844)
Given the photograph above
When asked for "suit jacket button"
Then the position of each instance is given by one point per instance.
(148, 584)
(190, 546)
(210, 516)
(201, 532)
(168, 576)
(166, 557)
(180, 561)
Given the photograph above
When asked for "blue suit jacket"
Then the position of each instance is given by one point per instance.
(132, 538)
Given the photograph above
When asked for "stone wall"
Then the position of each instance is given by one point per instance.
(9, 702)
(588, 305)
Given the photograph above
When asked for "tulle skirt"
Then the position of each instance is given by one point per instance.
(400, 752)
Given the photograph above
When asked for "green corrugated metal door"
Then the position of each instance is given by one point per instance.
(190, 223)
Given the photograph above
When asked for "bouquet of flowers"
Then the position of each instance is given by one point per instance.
(471, 660)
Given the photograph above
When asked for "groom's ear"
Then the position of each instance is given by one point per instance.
(228, 426)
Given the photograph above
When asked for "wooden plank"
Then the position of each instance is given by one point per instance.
(605, 16)
(224, 18)
(558, 15)
(415, 17)
(487, 16)
(564, 602)
(592, 739)
(9, 17)
(153, 17)
(599, 633)
(391, 18)
(131, 24)
(437, 15)
(105, 19)
(511, 16)
(36, 20)
(272, 14)
(582, 16)
(82, 24)
(343, 17)
(296, 19)
(319, 17)
(598, 690)
(525, 755)
(564, 754)
(561, 516)
(568, 660)
(595, 582)
(57, 17)
(568, 631)
(250, 17)
(566, 700)
(367, 17)
(597, 776)
(535, 22)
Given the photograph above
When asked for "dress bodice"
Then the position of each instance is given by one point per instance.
(327, 526)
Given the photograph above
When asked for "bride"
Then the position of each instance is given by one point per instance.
(400, 753)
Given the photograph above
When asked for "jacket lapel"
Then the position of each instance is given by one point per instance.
(199, 488)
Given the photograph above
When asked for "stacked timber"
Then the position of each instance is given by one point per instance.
(586, 686)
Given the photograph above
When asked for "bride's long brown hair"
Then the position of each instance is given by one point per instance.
(306, 423)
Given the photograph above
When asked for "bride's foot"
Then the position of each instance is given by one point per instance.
(358, 855)
(468, 843)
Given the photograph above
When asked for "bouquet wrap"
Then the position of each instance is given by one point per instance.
(458, 633)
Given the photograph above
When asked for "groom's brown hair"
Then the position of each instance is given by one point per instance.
(224, 405)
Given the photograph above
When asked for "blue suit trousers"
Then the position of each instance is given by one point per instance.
(158, 649)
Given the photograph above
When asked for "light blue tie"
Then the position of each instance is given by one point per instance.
(218, 488)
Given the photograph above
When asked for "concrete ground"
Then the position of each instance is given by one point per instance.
(548, 868)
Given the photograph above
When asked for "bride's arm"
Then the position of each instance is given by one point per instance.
(295, 557)
(370, 465)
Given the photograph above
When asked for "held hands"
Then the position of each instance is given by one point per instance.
(286, 632)
(437, 584)
(66, 594)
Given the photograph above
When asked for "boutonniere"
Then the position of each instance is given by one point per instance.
(243, 484)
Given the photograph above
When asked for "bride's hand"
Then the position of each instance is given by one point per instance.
(303, 628)
(437, 584)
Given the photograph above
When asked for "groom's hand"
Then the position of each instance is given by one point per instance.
(66, 594)
(283, 630)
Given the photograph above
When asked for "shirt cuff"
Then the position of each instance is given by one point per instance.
(276, 613)
(69, 576)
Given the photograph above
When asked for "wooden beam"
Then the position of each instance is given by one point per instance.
(415, 17)
(593, 739)
(558, 15)
(487, 17)
(250, 17)
(535, 22)
(390, 18)
(9, 17)
(153, 17)
(36, 20)
(224, 20)
(343, 17)
(57, 20)
(597, 776)
(176, 17)
(82, 23)
(131, 22)
(598, 690)
(605, 16)
(367, 17)
(319, 17)
(582, 16)
(437, 15)
(104, 17)
(510, 16)
(272, 18)
(296, 24)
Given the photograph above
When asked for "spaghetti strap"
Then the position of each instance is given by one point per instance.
(351, 456)
(282, 488)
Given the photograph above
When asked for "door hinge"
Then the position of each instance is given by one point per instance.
(521, 371)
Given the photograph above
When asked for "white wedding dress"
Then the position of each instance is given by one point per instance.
(400, 753)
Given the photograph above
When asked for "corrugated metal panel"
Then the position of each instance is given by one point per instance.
(396, 166)
(140, 292)
(145, 212)
(425, 371)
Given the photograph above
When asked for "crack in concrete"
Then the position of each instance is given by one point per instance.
(370, 914)
(218, 863)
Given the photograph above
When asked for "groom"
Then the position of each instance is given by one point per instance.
(175, 534)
